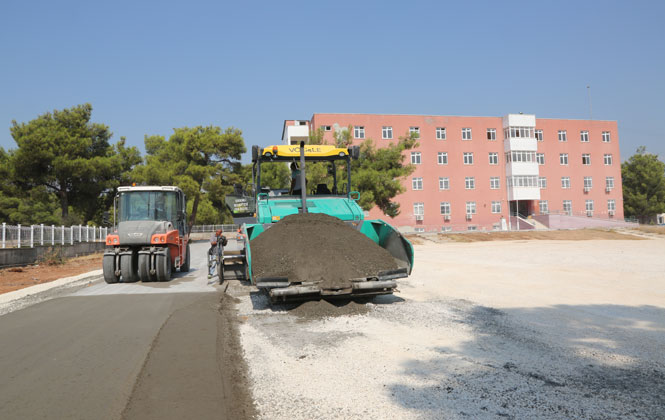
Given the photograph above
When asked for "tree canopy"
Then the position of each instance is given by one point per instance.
(203, 161)
(643, 176)
(64, 153)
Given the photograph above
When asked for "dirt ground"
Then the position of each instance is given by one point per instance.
(16, 278)
(545, 235)
(656, 230)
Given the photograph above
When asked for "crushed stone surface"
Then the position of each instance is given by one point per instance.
(315, 247)
(442, 350)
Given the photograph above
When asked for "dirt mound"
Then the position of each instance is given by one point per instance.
(319, 248)
(323, 309)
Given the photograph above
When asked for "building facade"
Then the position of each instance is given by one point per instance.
(485, 173)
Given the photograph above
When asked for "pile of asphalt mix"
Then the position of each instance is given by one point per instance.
(315, 247)
(315, 310)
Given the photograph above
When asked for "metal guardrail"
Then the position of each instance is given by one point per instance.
(17, 236)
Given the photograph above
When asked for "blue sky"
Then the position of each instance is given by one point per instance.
(148, 67)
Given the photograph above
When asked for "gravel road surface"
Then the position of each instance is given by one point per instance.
(148, 351)
(521, 330)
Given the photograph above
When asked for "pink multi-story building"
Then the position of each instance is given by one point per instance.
(483, 173)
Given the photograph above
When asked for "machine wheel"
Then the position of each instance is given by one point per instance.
(129, 267)
(164, 266)
(185, 267)
(144, 268)
(108, 264)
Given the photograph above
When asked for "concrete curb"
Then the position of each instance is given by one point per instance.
(21, 298)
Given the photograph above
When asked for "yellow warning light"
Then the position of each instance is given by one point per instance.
(133, 184)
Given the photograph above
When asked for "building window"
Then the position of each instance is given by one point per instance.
(442, 158)
(540, 158)
(415, 131)
(520, 156)
(519, 132)
(495, 183)
(606, 136)
(359, 132)
(588, 182)
(563, 135)
(417, 183)
(327, 128)
(568, 207)
(543, 207)
(441, 133)
(419, 209)
(584, 136)
(494, 158)
(563, 158)
(542, 182)
(539, 135)
(444, 183)
(611, 205)
(415, 158)
(446, 229)
(491, 134)
(589, 205)
(586, 159)
(301, 123)
(470, 183)
(387, 132)
(565, 182)
(496, 207)
(419, 229)
(470, 207)
(607, 159)
(609, 183)
(466, 134)
(518, 181)
(468, 158)
(445, 208)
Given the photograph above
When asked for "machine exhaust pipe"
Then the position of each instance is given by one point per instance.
(303, 186)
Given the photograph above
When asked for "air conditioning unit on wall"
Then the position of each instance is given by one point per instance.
(589, 213)
(446, 217)
(611, 213)
(419, 217)
(587, 189)
(469, 216)
(608, 189)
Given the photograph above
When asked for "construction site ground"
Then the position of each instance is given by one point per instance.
(15, 278)
(551, 329)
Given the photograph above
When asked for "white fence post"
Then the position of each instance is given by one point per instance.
(71, 237)
(32, 236)
(80, 237)
(19, 236)
(87, 233)
(94, 233)
(62, 237)
(52, 235)
(41, 238)
(4, 230)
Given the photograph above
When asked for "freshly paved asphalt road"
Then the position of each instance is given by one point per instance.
(156, 350)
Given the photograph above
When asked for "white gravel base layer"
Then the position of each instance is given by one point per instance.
(450, 358)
